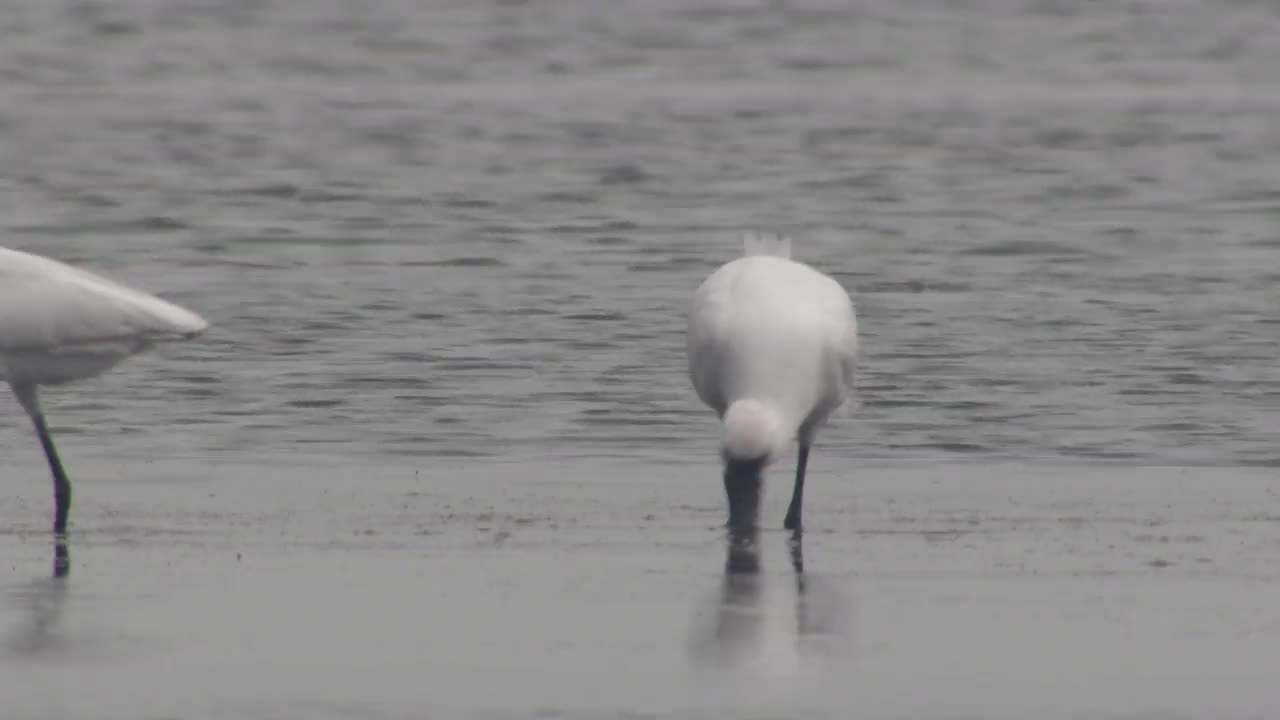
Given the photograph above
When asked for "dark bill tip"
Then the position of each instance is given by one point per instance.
(742, 482)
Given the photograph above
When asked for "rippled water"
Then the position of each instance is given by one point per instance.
(469, 229)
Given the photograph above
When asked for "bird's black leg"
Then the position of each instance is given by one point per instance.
(797, 496)
(27, 397)
(61, 558)
(62, 486)
(795, 544)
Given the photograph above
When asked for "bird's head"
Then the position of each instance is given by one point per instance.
(753, 434)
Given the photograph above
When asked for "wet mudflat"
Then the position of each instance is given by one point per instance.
(593, 590)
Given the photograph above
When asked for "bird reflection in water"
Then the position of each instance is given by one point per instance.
(761, 620)
(43, 604)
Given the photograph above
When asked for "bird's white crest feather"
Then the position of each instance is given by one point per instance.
(760, 244)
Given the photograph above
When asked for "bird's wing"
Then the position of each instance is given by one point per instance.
(705, 350)
(45, 304)
(849, 355)
(842, 330)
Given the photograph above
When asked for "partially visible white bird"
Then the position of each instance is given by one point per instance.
(59, 323)
(772, 347)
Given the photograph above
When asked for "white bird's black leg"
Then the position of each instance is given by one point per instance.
(797, 495)
(61, 500)
(61, 485)
(61, 558)
(795, 544)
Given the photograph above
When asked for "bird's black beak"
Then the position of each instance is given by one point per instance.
(742, 481)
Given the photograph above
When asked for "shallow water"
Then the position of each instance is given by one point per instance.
(599, 591)
(446, 249)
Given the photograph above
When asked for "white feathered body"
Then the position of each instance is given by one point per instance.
(777, 334)
(59, 323)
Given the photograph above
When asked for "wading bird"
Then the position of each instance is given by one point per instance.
(772, 347)
(58, 324)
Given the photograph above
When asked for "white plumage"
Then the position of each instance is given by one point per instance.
(772, 347)
(59, 323)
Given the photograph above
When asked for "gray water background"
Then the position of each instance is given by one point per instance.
(468, 229)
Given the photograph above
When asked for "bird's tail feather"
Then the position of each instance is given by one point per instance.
(760, 244)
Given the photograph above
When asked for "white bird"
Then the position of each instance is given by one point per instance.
(59, 323)
(772, 347)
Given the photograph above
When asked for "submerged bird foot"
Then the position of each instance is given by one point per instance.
(61, 556)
